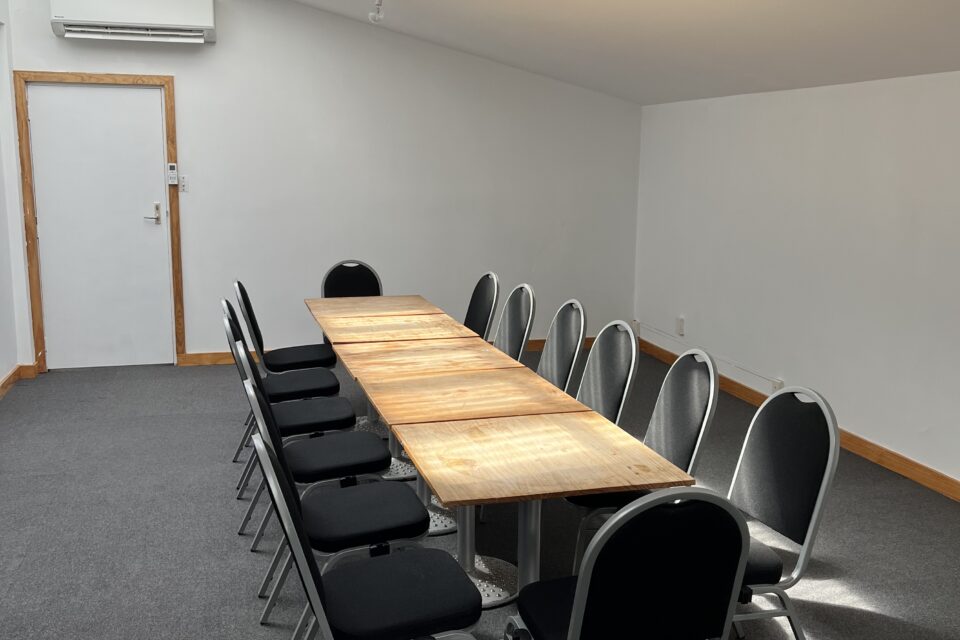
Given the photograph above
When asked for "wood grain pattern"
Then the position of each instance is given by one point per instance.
(391, 328)
(19, 372)
(371, 306)
(533, 457)
(20, 81)
(385, 360)
(204, 359)
(465, 395)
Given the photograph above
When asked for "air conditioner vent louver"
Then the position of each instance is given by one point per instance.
(139, 34)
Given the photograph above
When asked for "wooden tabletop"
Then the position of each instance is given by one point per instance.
(371, 306)
(392, 328)
(385, 360)
(464, 395)
(533, 457)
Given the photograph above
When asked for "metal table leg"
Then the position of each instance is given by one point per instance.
(496, 579)
(528, 541)
(442, 520)
(400, 468)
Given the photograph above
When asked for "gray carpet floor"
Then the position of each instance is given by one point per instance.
(118, 520)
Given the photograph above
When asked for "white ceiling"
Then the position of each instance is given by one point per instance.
(653, 51)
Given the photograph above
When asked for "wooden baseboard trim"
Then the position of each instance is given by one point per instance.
(204, 359)
(19, 372)
(536, 344)
(890, 460)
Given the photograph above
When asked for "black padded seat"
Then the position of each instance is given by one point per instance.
(407, 594)
(300, 384)
(363, 514)
(616, 500)
(305, 356)
(764, 565)
(314, 414)
(336, 455)
(546, 607)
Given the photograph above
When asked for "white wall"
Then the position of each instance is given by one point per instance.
(310, 138)
(8, 324)
(813, 235)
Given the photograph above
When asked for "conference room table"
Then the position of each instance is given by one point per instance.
(480, 427)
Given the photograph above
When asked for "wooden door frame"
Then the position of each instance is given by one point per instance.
(20, 81)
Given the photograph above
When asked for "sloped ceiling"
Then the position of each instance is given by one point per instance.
(654, 51)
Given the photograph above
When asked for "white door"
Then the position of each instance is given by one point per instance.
(99, 177)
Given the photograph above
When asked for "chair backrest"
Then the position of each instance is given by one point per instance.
(483, 302)
(786, 466)
(235, 334)
(351, 278)
(564, 339)
(684, 410)
(284, 497)
(249, 318)
(681, 551)
(516, 320)
(608, 374)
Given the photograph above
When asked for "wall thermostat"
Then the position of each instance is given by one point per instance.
(172, 177)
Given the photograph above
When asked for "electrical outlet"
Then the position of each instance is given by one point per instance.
(681, 328)
(777, 384)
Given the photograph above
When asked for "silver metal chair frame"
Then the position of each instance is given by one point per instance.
(528, 290)
(583, 329)
(623, 516)
(779, 590)
(591, 358)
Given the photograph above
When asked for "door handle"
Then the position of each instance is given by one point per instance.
(156, 214)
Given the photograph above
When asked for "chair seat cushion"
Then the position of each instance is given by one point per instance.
(305, 356)
(362, 515)
(300, 384)
(314, 414)
(407, 594)
(336, 455)
(546, 607)
(616, 500)
(764, 565)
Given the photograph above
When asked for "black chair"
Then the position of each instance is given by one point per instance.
(483, 302)
(361, 517)
(786, 467)
(399, 595)
(681, 419)
(307, 356)
(351, 278)
(563, 343)
(516, 320)
(608, 373)
(668, 565)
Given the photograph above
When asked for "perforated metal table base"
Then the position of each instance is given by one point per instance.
(442, 520)
(400, 470)
(496, 581)
(371, 425)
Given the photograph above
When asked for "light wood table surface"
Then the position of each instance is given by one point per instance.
(392, 328)
(371, 306)
(514, 459)
(386, 360)
(464, 395)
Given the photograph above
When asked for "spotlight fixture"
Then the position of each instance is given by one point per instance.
(376, 16)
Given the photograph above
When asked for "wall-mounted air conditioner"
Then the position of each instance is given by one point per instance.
(188, 21)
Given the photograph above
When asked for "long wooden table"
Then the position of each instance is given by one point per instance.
(479, 427)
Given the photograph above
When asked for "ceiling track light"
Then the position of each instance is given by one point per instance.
(376, 16)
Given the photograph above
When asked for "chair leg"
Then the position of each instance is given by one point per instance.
(253, 505)
(738, 630)
(311, 629)
(301, 623)
(245, 476)
(248, 423)
(274, 563)
(275, 592)
(790, 613)
(263, 527)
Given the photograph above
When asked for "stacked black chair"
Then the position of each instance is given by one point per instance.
(786, 467)
(390, 595)
(668, 565)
